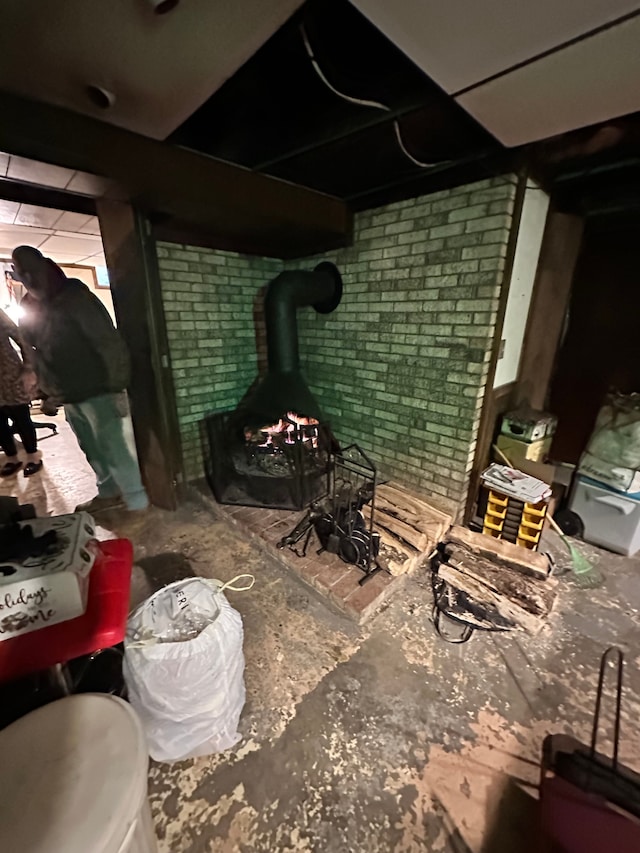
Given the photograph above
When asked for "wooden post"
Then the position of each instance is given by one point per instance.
(485, 429)
(131, 260)
(552, 289)
(551, 293)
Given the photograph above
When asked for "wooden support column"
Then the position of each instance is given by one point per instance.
(130, 254)
(490, 402)
(551, 292)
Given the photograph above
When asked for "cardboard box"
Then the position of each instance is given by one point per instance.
(51, 588)
(528, 424)
(518, 450)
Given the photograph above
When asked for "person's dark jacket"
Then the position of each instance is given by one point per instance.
(79, 353)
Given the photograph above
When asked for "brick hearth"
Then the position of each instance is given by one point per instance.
(326, 573)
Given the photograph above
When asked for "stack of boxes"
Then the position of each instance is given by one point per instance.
(526, 435)
(525, 438)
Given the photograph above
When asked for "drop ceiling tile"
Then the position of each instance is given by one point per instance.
(4, 164)
(64, 257)
(95, 260)
(72, 44)
(583, 84)
(12, 236)
(43, 174)
(462, 42)
(81, 245)
(70, 221)
(31, 214)
(91, 227)
(90, 239)
(23, 230)
(8, 210)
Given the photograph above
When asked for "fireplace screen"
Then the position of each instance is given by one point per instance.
(283, 465)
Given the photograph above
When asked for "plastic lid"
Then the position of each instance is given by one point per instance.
(73, 776)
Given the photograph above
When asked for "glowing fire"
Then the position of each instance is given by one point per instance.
(284, 431)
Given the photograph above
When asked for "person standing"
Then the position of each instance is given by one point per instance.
(83, 364)
(17, 387)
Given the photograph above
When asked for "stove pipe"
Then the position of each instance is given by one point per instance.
(284, 389)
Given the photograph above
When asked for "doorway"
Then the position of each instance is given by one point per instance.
(601, 345)
(74, 241)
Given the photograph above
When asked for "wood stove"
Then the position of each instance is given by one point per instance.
(274, 449)
(251, 470)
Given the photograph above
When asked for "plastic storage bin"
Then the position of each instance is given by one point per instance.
(74, 780)
(610, 519)
(514, 521)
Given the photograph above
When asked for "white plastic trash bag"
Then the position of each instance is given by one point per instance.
(184, 668)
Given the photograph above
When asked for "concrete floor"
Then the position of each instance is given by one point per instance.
(376, 739)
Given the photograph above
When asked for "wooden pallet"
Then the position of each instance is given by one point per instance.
(410, 527)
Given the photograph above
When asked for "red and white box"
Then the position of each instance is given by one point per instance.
(51, 588)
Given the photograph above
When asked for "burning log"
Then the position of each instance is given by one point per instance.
(284, 432)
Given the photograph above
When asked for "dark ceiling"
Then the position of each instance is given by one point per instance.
(277, 116)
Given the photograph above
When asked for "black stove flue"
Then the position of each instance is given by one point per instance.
(273, 450)
(284, 388)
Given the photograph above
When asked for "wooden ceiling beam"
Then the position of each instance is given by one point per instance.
(228, 202)
(11, 190)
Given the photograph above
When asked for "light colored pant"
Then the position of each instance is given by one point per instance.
(104, 431)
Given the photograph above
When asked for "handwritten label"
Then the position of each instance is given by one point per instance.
(23, 598)
(35, 613)
(51, 588)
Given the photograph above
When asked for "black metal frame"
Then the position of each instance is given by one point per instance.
(590, 771)
(353, 472)
(353, 462)
(226, 442)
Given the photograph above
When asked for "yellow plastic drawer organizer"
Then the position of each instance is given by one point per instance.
(513, 520)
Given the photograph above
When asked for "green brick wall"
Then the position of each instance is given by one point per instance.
(208, 301)
(400, 367)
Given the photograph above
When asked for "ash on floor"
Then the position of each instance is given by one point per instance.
(375, 739)
(384, 739)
